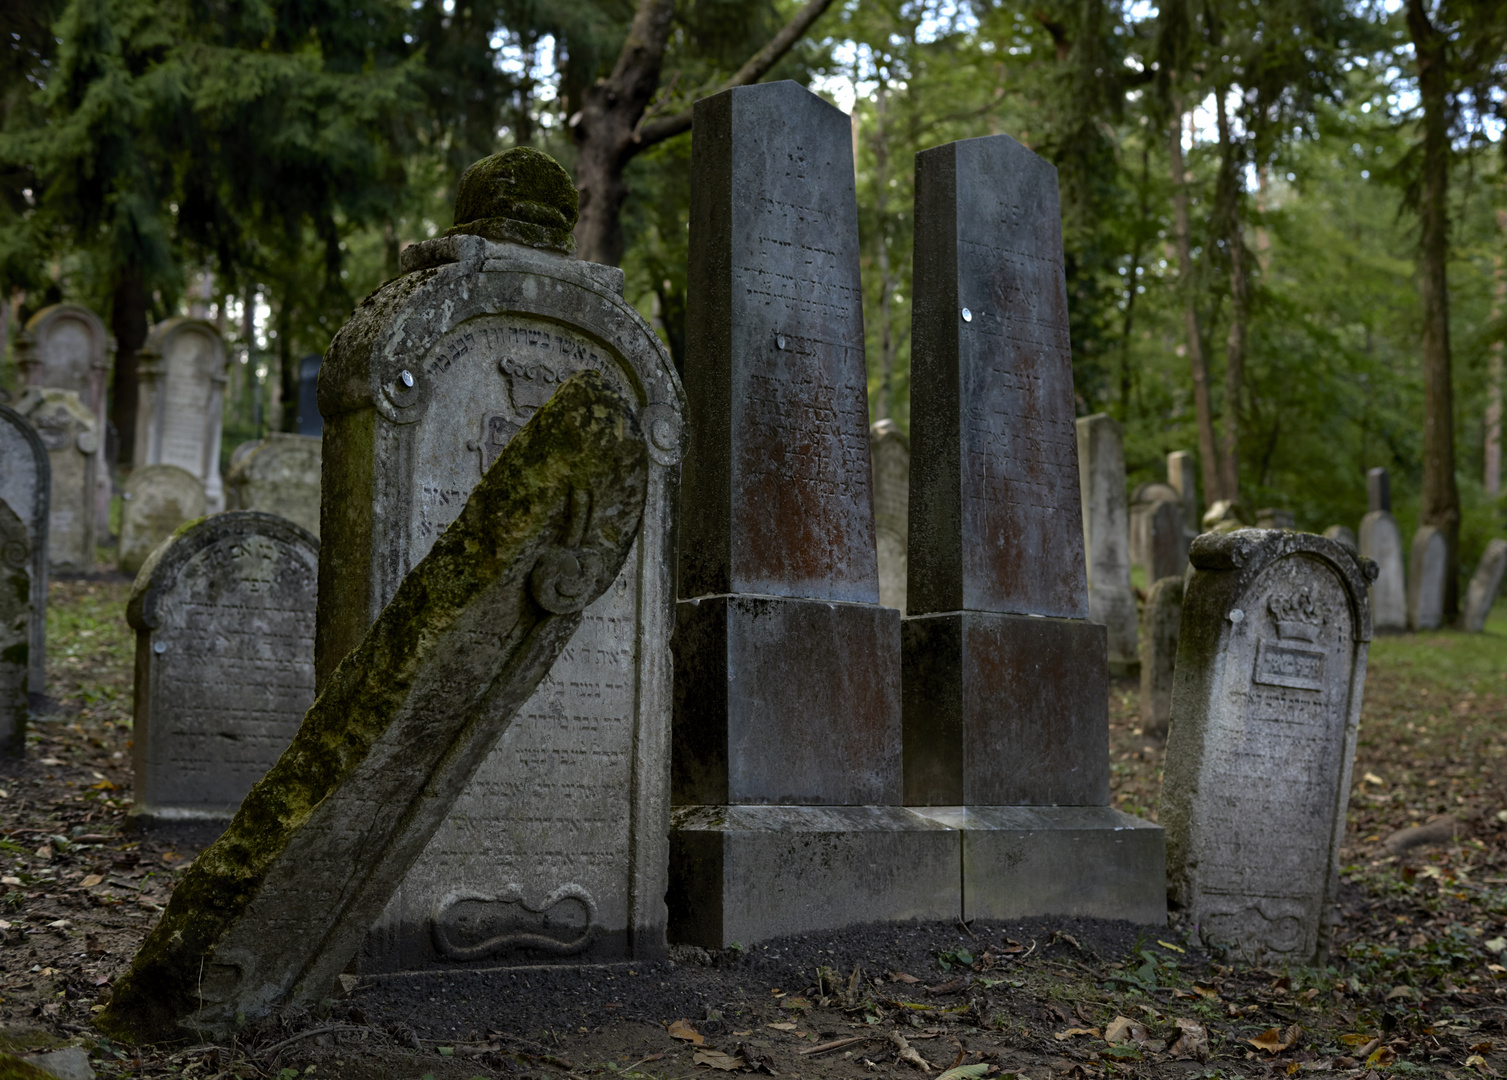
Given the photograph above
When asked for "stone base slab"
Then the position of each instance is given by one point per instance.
(751, 873)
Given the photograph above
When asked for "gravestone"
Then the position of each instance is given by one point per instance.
(1485, 584)
(224, 621)
(1161, 620)
(156, 500)
(1180, 477)
(1106, 533)
(16, 621)
(1380, 540)
(69, 433)
(1158, 539)
(309, 420)
(1427, 570)
(1005, 677)
(1343, 535)
(66, 347)
(890, 452)
(25, 486)
(279, 475)
(799, 782)
(1270, 667)
(1271, 517)
(181, 394)
(1226, 515)
(556, 850)
(274, 911)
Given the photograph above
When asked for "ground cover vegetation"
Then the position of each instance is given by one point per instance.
(1284, 222)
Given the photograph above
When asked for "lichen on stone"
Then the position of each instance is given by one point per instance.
(521, 196)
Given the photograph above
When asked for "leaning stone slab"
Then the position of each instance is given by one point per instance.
(157, 499)
(1485, 584)
(1428, 566)
(71, 436)
(224, 621)
(15, 630)
(1265, 709)
(26, 487)
(278, 475)
(279, 905)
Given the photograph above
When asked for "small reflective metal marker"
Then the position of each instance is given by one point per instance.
(779, 341)
(159, 647)
(967, 315)
(407, 378)
(1237, 616)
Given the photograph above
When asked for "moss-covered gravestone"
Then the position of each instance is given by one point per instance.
(277, 475)
(26, 487)
(557, 849)
(157, 499)
(279, 905)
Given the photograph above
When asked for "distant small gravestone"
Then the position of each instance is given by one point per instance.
(1485, 584)
(1180, 478)
(1158, 541)
(1270, 668)
(68, 431)
(180, 401)
(890, 453)
(25, 486)
(1160, 621)
(1106, 536)
(309, 420)
(1378, 490)
(1380, 540)
(1272, 517)
(224, 621)
(15, 631)
(1344, 535)
(1429, 565)
(157, 499)
(280, 475)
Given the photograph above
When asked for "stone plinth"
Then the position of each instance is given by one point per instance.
(69, 433)
(1380, 541)
(1106, 536)
(1270, 668)
(1485, 584)
(26, 486)
(180, 402)
(1428, 567)
(157, 499)
(1160, 623)
(224, 621)
(890, 450)
(279, 475)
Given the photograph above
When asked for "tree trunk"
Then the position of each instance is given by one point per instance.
(1207, 451)
(1440, 501)
(128, 322)
(1234, 370)
(1493, 438)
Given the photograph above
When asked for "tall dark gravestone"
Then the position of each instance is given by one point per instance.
(26, 487)
(786, 769)
(1006, 680)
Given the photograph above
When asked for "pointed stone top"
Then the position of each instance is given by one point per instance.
(522, 196)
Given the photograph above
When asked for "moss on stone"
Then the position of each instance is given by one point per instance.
(520, 195)
(13, 1068)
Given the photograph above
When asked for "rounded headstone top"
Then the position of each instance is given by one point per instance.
(522, 196)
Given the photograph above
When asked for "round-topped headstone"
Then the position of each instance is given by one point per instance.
(520, 195)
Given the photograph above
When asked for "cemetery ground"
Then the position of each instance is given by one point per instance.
(1415, 983)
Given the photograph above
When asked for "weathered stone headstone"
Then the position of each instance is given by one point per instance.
(890, 451)
(779, 579)
(1160, 622)
(1106, 533)
(1270, 667)
(16, 619)
(309, 420)
(72, 440)
(1343, 535)
(1378, 490)
(1005, 677)
(1485, 584)
(1427, 570)
(181, 395)
(25, 486)
(1181, 478)
(557, 846)
(279, 475)
(1380, 540)
(277, 908)
(66, 347)
(1271, 517)
(224, 621)
(1158, 539)
(156, 500)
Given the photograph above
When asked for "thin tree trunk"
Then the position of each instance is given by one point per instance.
(1440, 497)
(1131, 287)
(1494, 372)
(286, 401)
(128, 322)
(1234, 369)
(1207, 451)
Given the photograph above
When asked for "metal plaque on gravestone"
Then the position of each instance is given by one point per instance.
(181, 397)
(25, 486)
(224, 621)
(15, 631)
(68, 431)
(890, 450)
(278, 475)
(1485, 584)
(1266, 704)
(156, 500)
(309, 420)
(1380, 540)
(1428, 566)
(556, 850)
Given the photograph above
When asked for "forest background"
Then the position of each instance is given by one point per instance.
(1284, 221)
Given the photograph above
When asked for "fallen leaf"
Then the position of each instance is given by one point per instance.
(1169, 945)
(1381, 1057)
(1072, 1033)
(1122, 1029)
(1355, 1040)
(92, 880)
(966, 1072)
(1372, 778)
(103, 785)
(50, 761)
(1205, 991)
(902, 977)
(716, 1059)
(1273, 1041)
(1476, 1060)
(1497, 944)
(781, 1027)
(1401, 992)
(1192, 1041)
(171, 857)
(682, 1029)
(1481, 1048)
(908, 1054)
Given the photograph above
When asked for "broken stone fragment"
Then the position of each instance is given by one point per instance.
(274, 911)
(521, 195)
